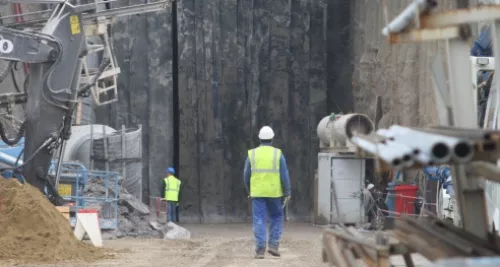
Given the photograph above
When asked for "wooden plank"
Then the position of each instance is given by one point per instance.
(335, 256)
(64, 210)
(349, 257)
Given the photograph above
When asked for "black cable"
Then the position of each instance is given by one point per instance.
(19, 156)
(14, 81)
(42, 146)
(83, 92)
(25, 84)
(16, 139)
(16, 68)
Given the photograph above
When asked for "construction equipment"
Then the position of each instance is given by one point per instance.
(470, 151)
(340, 172)
(74, 177)
(53, 43)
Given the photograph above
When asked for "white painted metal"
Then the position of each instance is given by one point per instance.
(492, 189)
(79, 144)
(345, 174)
(480, 64)
(336, 132)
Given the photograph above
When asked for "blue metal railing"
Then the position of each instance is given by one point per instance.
(109, 219)
(76, 174)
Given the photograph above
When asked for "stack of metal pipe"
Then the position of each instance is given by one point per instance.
(407, 147)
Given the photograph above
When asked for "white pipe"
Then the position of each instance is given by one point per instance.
(462, 150)
(406, 151)
(422, 144)
(388, 155)
(424, 159)
(406, 17)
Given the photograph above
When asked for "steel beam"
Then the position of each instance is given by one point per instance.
(460, 16)
(420, 35)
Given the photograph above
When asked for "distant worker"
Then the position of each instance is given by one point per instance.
(267, 182)
(171, 192)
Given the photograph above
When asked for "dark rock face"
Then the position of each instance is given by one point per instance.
(143, 47)
(242, 64)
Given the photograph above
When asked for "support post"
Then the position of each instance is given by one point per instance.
(124, 166)
(140, 158)
(105, 144)
(91, 159)
(470, 195)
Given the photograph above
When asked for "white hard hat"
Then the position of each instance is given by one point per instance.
(370, 186)
(266, 133)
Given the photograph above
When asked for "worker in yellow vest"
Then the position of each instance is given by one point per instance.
(268, 184)
(171, 192)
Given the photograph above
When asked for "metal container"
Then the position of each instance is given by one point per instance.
(340, 129)
(342, 176)
(78, 146)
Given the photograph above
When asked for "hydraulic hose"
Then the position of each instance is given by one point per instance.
(16, 139)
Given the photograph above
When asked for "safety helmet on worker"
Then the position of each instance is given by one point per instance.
(370, 186)
(266, 133)
(170, 170)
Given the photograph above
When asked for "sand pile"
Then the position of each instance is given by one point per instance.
(32, 230)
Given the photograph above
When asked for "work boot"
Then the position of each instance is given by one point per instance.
(259, 253)
(274, 251)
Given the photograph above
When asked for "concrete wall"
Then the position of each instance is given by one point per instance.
(242, 64)
(143, 47)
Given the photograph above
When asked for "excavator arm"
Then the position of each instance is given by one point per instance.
(55, 56)
(28, 47)
(55, 53)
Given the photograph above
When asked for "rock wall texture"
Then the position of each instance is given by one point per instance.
(248, 63)
(401, 73)
(143, 47)
(244, 64)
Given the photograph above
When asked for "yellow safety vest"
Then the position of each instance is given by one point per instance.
(172, 187)
(265, 167)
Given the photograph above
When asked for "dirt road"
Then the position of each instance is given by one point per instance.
(213, 246)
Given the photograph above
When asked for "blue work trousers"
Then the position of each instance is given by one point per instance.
(171, 212)
(261, 208)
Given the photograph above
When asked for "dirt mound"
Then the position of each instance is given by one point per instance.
(32, 230)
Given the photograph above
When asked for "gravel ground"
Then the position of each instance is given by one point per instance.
(217, 245)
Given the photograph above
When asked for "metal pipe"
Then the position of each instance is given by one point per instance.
(415, 154)
(438, 151)
(407, 152)
(423, 158)
(380, 150)
(475, 134)
(407, 16)
(462, 150)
